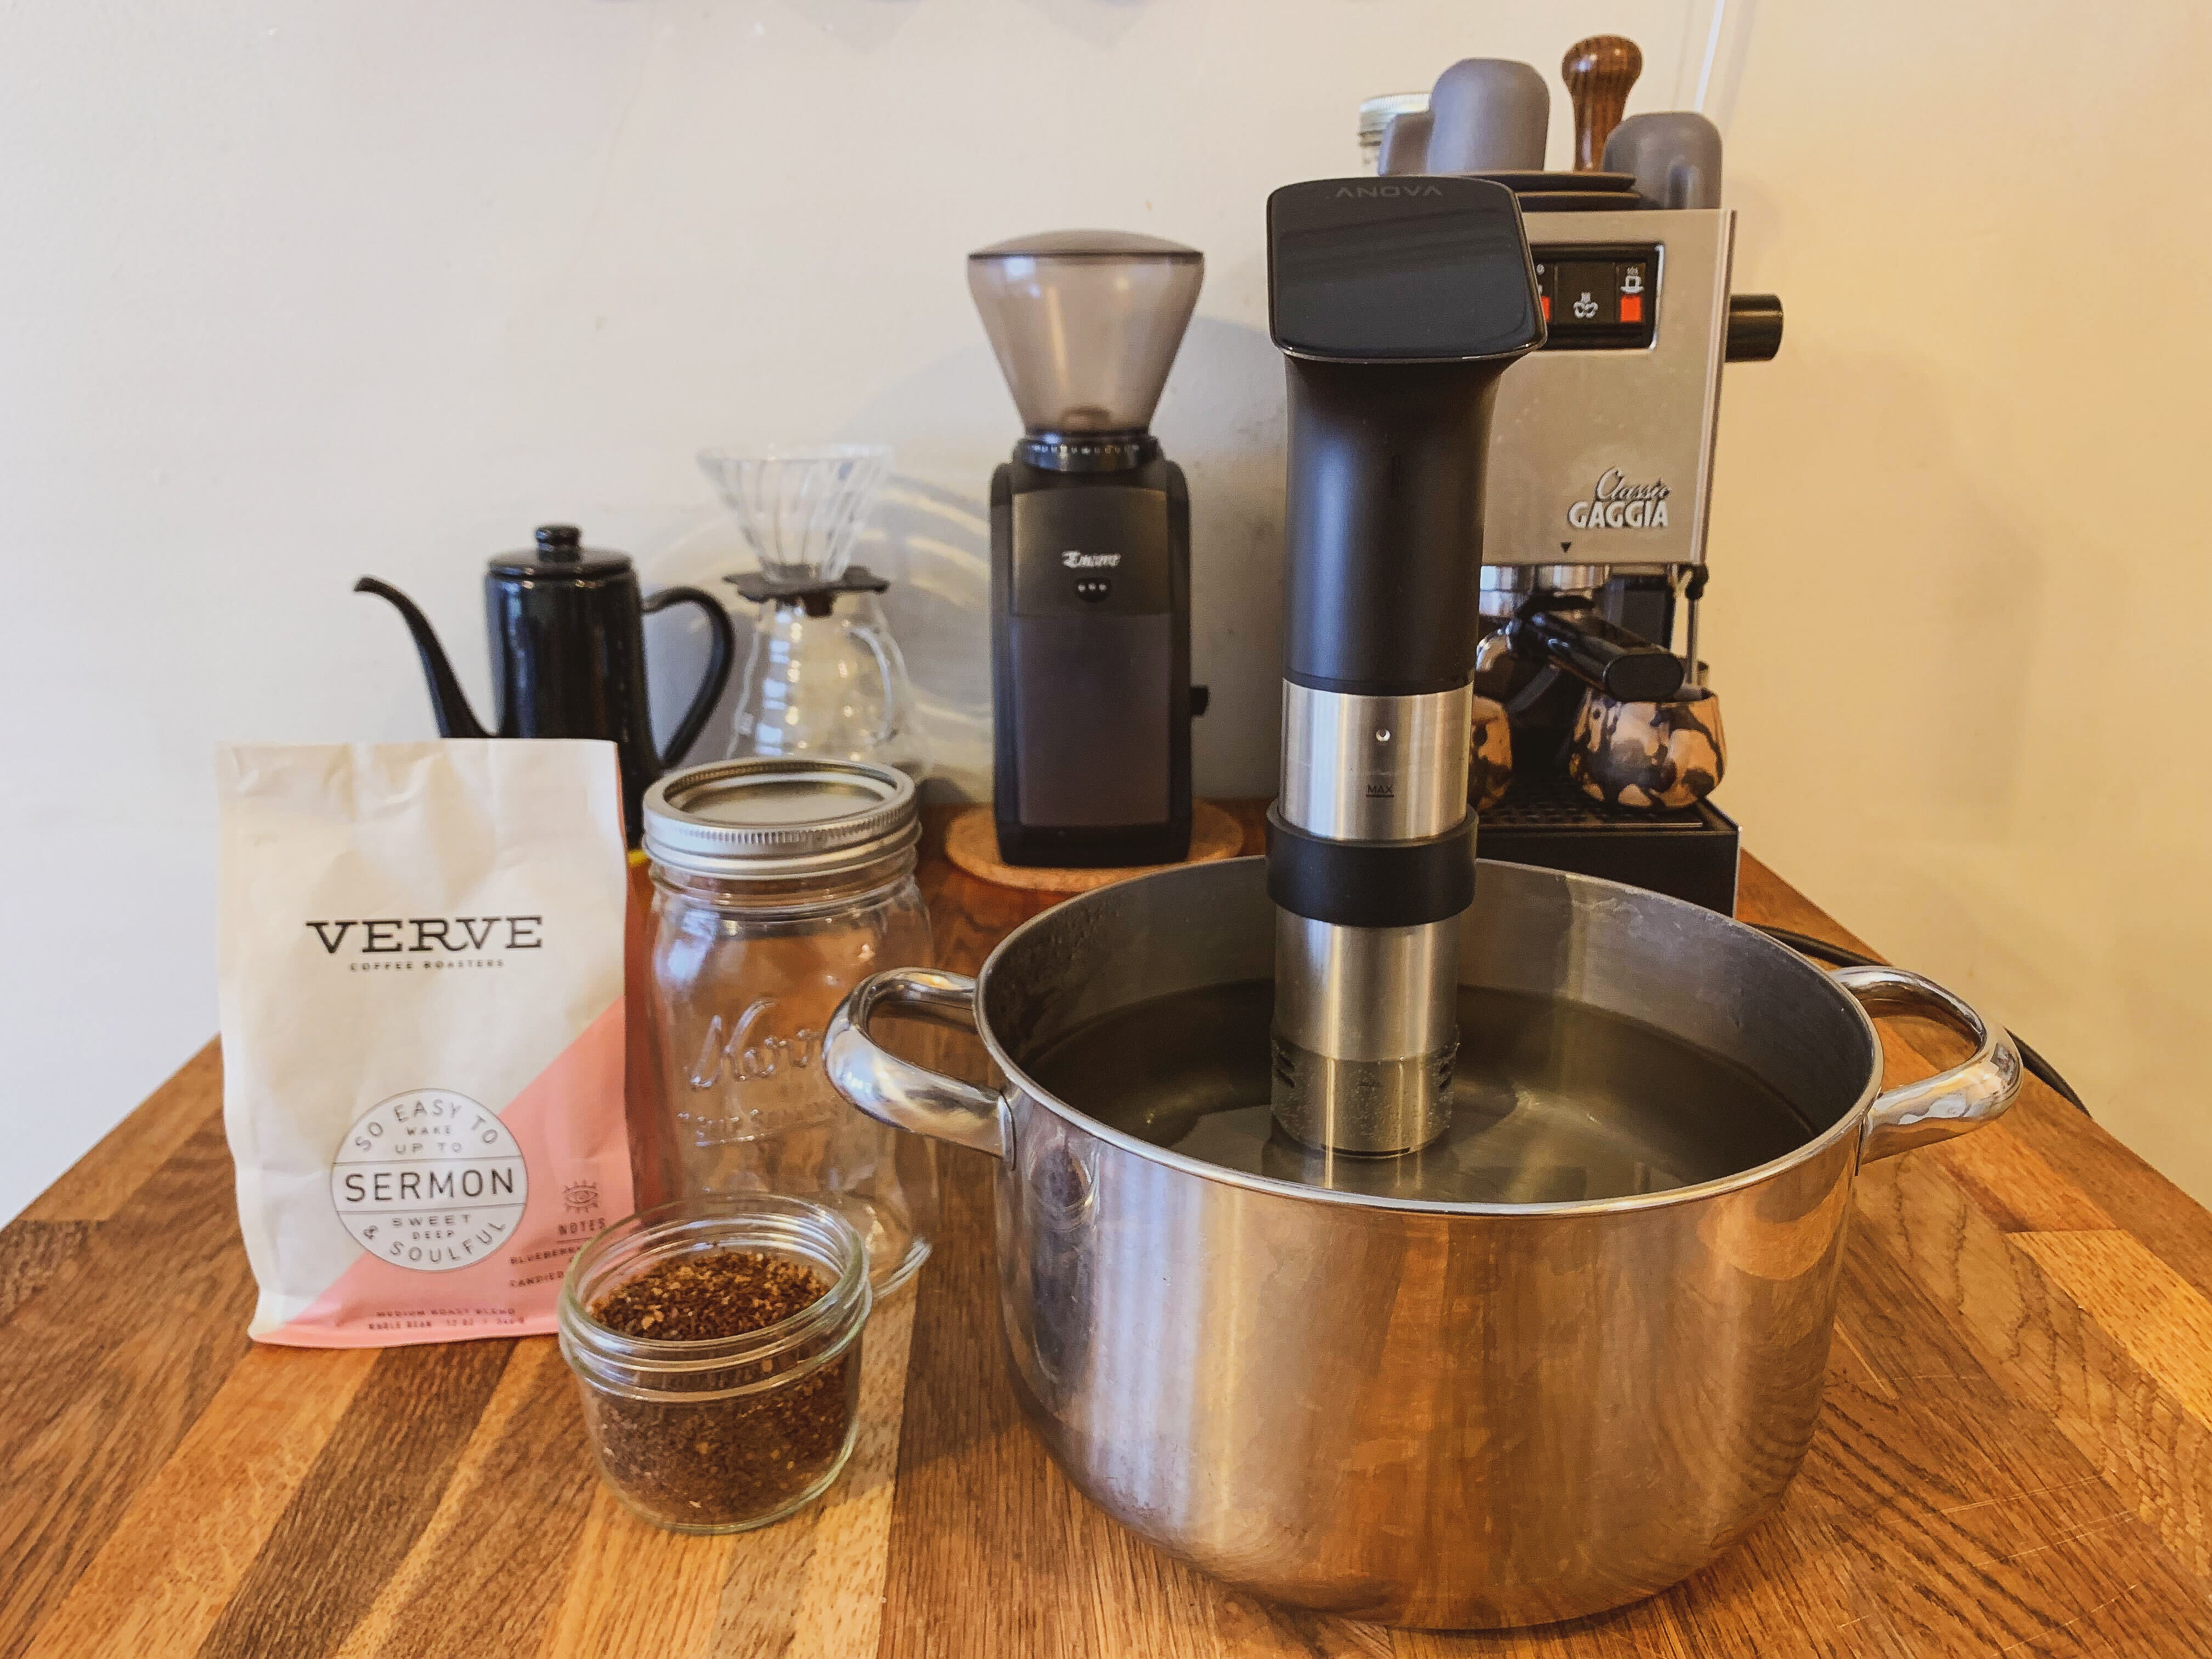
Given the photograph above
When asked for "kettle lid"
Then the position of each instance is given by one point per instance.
(560, 556)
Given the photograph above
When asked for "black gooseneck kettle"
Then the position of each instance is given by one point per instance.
(568, 656)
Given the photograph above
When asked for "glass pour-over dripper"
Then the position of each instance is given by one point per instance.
(825, 678)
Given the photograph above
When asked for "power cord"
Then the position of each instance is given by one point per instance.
(1821, 950)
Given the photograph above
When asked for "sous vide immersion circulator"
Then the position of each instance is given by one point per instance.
(1397, 305)
(1091, 685)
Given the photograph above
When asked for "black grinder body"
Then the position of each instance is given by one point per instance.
(1090, 664)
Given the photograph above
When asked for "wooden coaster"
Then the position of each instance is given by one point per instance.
(971, 841)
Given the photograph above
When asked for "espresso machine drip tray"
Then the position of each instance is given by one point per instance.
(1546, 820)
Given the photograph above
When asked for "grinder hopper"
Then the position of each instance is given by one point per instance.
(1085, 323)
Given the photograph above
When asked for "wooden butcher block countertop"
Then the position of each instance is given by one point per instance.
(2013, 1460)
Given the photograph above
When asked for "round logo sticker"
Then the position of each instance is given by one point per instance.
(429, 1180)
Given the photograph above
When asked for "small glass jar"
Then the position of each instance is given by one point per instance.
(780, 883)
(727, 1433)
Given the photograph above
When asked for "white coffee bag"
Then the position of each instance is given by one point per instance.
(422, 995)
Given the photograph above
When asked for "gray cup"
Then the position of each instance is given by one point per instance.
(1488, 115)
(1675, 157)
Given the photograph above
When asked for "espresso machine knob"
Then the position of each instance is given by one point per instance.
(1754, 327)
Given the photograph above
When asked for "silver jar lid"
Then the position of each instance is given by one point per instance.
(778, 819)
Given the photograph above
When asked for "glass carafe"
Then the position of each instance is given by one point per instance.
(827, 684)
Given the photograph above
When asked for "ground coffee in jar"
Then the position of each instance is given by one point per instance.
(719, 1293)
(717, 1347)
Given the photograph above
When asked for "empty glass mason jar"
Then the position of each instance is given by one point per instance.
(779, 884)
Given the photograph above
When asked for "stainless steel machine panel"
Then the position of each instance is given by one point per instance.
(1573, 429)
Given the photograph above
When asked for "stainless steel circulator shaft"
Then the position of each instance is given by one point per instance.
(1366, 1028)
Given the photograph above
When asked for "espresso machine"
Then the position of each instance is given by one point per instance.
(1398, 305)
(1090, 692)
(1602, 454)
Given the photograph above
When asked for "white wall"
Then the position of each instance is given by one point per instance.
(1961, 582)
(297, 293)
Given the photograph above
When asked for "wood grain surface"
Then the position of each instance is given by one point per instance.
(2016, 1457)
(1599, 72)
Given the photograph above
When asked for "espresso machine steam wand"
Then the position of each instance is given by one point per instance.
(1397, 305)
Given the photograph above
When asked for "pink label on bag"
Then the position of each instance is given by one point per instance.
(468, 1219)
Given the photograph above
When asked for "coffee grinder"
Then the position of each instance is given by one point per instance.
(1602, 442)
(1091, 690)
(1398, 305)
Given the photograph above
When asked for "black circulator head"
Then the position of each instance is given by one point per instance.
(1401, 270)
(1398, 303)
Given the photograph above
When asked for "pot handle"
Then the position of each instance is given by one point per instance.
(897, 1091)
(1951, 1103)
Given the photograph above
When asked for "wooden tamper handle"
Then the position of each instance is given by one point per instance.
(1599, 72)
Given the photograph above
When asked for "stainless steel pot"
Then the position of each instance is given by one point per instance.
(1443, 1416)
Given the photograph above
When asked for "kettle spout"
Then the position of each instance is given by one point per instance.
(447, 702)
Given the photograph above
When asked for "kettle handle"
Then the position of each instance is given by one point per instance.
(721, 653)
(897, 1091)
(1951, 1101)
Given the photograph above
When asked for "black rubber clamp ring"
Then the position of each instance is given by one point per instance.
(1371, 883)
